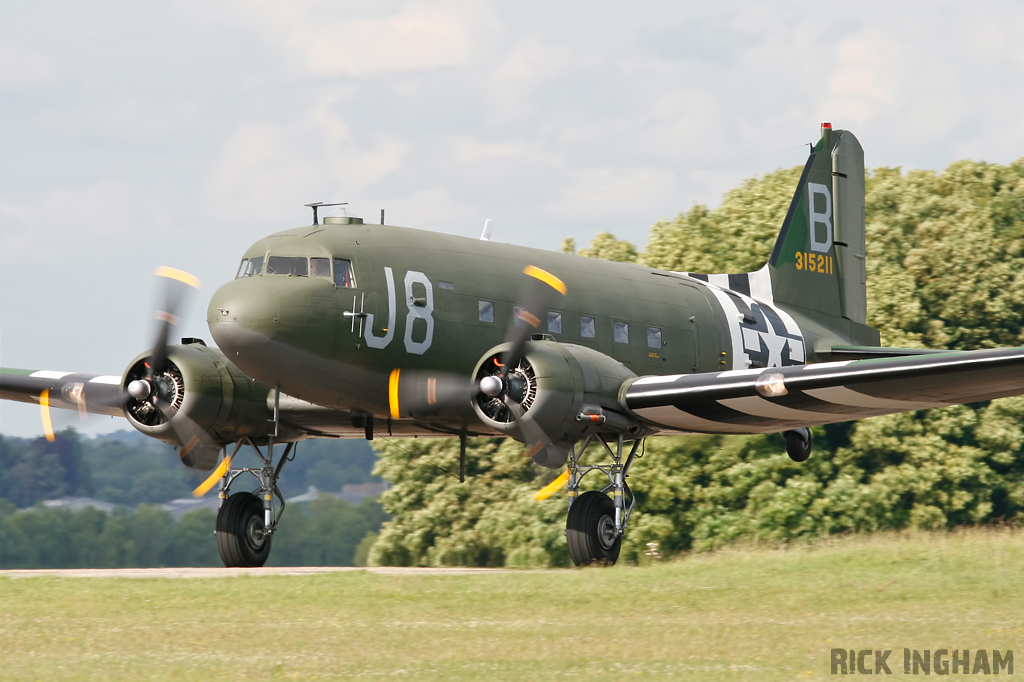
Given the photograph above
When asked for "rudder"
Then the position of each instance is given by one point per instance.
(818, 263)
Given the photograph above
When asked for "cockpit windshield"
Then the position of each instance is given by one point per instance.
(320, 267)
(300, 266)
(343, 276)
(250, 267)
(288, 265)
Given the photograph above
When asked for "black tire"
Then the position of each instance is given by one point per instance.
(590, 530)
(240, 539)
(798, 444)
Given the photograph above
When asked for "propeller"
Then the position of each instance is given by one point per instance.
(425, 392)
(156, 392)
(160, 390)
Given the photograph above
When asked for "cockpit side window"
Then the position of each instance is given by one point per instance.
(288, 265)
(320, 267)
(343, 276)
(250, 267)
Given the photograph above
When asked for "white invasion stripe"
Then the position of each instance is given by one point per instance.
(105, 379)
(761, 285)
(740, 372)
(48, 374)
(841, 395)
(719, 280)
(837, 363)
(739, 356)
(759, 407)
(675, 418)
(668, 379)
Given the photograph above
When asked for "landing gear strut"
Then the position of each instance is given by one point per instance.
(246, 521)
(596, 522)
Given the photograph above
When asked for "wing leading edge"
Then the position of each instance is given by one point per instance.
(97, 393)
(823, 393)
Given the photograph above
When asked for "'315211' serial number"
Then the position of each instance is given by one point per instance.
(814, 262)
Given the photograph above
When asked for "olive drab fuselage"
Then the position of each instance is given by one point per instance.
(426, 301)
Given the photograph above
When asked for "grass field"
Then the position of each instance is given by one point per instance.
(757, 614)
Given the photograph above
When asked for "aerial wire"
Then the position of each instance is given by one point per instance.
(612, 189)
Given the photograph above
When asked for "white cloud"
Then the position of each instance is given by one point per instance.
(89, 217)
(313, 159)
(332, 39)
(19, 68)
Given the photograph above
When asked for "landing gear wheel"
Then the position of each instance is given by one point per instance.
(798, 444)
(241, 540)
(590, 530)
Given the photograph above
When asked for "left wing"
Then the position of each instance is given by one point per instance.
(98, 393)
(782, 398)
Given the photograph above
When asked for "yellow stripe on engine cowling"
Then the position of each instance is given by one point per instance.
(393, 394)
(547, 278)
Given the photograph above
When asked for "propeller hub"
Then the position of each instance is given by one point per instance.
(139, 389)
(491, 385)
(517, 386)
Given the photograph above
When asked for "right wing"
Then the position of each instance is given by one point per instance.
(781, 398)
(98, 393)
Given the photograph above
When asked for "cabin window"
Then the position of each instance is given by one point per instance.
(520, 315)
(296, 266)
(621, 331)
(320, 267)
(250, 267)
(485, 309)
(587, 328)
(446, 285)
(554, 322)
(654, 337)
(343, 276)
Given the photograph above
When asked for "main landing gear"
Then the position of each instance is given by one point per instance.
(246, 521)
(596, 522)
(798, 444)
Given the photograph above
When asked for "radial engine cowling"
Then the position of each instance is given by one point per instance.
(569, 391)
(199, 391)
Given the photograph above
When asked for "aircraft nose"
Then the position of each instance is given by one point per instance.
(244, 315)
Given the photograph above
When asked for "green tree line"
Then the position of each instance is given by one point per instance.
(945, 270)
(127, 468)
(326, 532)
(140, 474)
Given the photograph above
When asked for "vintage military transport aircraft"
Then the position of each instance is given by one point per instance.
(344, 329)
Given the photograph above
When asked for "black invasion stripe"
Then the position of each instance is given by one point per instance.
(703, 278)
(741, 305)
(740, 283)
(798, 400)
(777, 250)
(716, 412)
(956, 376)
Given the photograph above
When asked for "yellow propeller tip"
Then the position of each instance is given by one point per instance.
(553, 487)
(546, 277)
(217, 474)
(44, 406)
(180, 275)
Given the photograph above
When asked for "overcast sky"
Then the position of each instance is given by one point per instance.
(134, 134)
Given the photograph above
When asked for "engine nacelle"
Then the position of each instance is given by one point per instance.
(569, 391)
(201, 386)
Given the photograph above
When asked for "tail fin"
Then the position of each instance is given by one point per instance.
(818, 263)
